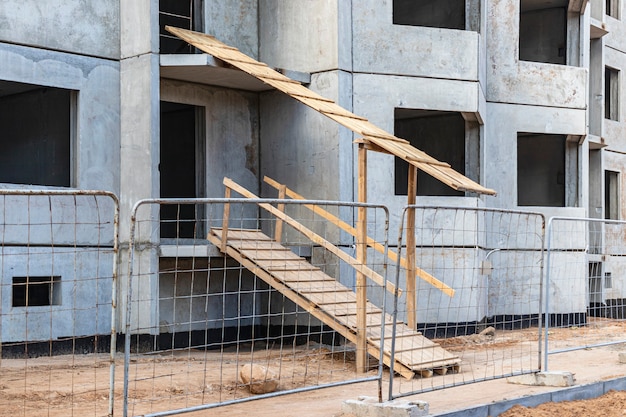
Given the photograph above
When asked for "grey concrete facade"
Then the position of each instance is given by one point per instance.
(108, 55)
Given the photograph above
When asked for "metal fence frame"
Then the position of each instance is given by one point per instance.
(247, 201)
(540, 302)
(588, 222)
(114, 272)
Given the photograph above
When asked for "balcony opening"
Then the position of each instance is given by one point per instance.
(38, 128)
(543, 31)
(440, 134)
(546, 170)
(446, 14)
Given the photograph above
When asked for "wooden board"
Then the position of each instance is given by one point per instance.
(330, 109)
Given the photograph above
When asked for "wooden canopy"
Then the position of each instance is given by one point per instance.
(377, 138)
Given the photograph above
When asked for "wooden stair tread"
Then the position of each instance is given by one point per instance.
(333, 303)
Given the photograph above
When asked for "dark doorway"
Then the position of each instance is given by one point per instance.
(181, 168)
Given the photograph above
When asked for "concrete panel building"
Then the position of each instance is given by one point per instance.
(522, 96)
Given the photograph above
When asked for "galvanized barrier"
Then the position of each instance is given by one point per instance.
(58, 269)
(586, 285)
(223, 289)
(473, 287)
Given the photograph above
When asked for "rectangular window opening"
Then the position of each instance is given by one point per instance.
(38, 134)
(445, 14)
(611, 195)
(543, 31)
(612, 8)
(438, 133)
(185, 14)
(181, 169)
(541, 170)
(611, 93)
(36, 291)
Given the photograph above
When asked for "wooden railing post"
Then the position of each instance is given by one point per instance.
(379, 247)
(361, 257)
(411, 295)
(225, 222)
(278, 231)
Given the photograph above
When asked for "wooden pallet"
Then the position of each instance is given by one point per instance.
(333, 303)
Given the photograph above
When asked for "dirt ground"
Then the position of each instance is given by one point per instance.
(611, 404)
(79, 385)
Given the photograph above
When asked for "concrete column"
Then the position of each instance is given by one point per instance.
(139, 120)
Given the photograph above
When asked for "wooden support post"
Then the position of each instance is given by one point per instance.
(411, 308)
(225, 222)
(361, 256)
(278, 231)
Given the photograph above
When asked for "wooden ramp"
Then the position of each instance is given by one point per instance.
(332, 303)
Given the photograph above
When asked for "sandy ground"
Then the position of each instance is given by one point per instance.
(79, 385)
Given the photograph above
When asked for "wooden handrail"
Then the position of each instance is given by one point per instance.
(314, 237)
(420, 273)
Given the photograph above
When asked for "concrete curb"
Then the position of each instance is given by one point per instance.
(580, 392)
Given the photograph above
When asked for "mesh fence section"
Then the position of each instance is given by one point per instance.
(475, 276)
(58, 258)
(232, 300)
(586, 290)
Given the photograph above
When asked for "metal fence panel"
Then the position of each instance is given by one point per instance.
(586, 289)
(58, 269)
(485, 307)
(197, 320)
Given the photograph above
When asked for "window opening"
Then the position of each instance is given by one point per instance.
(181, 168)
(446, 14)
(439, 134)
(611, 195)
(596, 293)
(612, 8)
(37, 134)
(186, 14)
(36, 291)
(543, 31)
(611, 93)
(541, 170)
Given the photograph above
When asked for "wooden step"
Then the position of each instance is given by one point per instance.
(335, 304)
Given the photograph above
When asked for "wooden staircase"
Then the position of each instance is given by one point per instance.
(331, 302)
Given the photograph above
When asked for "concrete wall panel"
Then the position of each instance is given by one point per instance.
(299, 35)
(232, 132)
(614, 131)
(500, 157)
(78, 26)
(510, 80)
(299, 146)
(384, 48)
(82, 295)
(97, 83)
(234, 22)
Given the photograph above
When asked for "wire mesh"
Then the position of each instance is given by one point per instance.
(58, 259)
(481, 311)
(586, 294)
(276, 315)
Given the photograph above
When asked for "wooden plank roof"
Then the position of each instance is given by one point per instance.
(360, 125)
